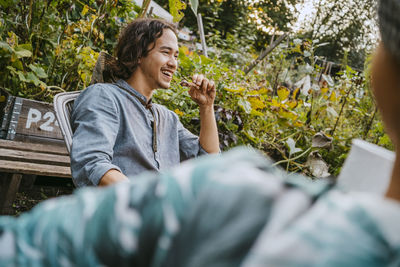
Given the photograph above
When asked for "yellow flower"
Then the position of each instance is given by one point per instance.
(58, 50)
(264, 90)
(333, 97)
(256, 103)
(239, 90)
(178, 112)
(324, 90)
(283, 93)
(85, 10)
(297, 124)
(42, 86)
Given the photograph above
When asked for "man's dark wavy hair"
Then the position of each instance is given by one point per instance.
(133, 44)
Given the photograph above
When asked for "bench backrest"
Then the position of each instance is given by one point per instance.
(63, 104)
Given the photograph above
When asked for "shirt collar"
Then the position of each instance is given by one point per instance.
(124, 84)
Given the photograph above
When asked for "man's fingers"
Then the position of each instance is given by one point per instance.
(211, 86)
(197, 79)
(194, 78)
(191, 90)
(204, 85)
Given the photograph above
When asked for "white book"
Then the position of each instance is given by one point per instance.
(368, 168)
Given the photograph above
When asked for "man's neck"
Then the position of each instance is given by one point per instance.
(137, 82)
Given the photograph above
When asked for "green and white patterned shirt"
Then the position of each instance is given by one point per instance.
(233, 209)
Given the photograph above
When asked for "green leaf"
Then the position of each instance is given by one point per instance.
(175, 8)
(5, 46)
(31, 77)
(18, 64)
(250, 135)
(205, 60)
(328, 79)
(6, 3)
(22, 52)
(21, 76)
(245, 105)
(331, 112)
(194, 4)
(12, 69)
(292, 146)
(38, 71)
(25, 46)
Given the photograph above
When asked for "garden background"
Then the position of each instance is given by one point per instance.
(301, 105)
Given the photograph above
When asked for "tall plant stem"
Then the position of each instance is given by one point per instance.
(53, 65)
(265, 53)
(28, 24)
(145, 7)
(341, 111)
(291, 159)
(370, 123)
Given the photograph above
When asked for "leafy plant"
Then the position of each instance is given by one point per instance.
(281, 107)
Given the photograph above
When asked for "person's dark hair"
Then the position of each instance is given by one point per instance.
(133, 43)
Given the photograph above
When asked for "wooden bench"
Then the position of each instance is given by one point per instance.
(31, 144)
(19, 159)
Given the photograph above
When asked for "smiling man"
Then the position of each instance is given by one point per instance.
(118, 131)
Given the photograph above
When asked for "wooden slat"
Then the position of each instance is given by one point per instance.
(58, 150)
(34, 168)
(33, 157)
(38, 140)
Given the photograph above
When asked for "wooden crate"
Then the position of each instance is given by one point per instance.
(27, 120)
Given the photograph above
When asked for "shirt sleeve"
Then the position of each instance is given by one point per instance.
(189, 144)
(95, 123)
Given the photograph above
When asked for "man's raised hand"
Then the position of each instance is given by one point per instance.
(202, 90)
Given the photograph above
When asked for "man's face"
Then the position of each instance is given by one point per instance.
(161, 62)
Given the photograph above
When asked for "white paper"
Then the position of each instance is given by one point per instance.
(367, 168)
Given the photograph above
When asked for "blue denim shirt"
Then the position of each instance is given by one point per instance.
(114, 130)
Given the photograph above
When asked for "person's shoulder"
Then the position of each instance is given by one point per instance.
(99, 88)
(92, 92)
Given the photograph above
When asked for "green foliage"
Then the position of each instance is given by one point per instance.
(269, 109)
(229, 24)
(175, 8)
(351, 37)
(279, 107)
(51, 46)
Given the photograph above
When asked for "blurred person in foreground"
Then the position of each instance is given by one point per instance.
(118, 131)
(229, 210)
